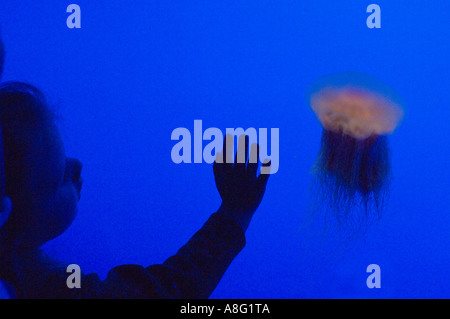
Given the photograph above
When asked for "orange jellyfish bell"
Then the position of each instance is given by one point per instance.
(355, 104)
(357, 112)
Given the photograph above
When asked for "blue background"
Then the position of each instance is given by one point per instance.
(136, 70)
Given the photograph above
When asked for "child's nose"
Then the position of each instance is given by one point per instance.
(76, 167)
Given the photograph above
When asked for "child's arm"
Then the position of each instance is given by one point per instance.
(193, 272)
(198, 266)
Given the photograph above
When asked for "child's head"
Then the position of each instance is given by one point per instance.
(43, 184)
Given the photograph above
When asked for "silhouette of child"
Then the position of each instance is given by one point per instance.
(44, 187)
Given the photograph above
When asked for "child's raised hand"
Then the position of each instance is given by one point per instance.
(239, 187)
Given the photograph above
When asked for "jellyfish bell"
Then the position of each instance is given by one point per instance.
(357, 113)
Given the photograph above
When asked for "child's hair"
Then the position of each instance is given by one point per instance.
(24, 118)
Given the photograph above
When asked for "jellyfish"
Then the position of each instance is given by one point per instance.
(353, 170)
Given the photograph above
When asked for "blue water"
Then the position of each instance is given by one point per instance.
(136, 70)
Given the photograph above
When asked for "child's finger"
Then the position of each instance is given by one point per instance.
(265, 174)
(241, 154)
(228, 149)
(218, 163)
(252, 166)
